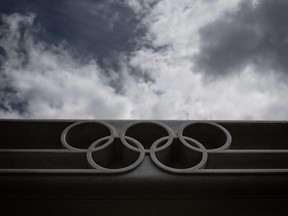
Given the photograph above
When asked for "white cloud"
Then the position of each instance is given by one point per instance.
(51, 81)
(54, 84)
(185, 93)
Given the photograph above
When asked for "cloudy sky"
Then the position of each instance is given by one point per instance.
(144, 59)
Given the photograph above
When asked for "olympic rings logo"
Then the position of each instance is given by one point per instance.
(182, 151)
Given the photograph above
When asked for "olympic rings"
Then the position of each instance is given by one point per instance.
(111, 152)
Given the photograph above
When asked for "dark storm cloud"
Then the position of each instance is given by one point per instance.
(98, 28)
(253, 34)
(9, 100)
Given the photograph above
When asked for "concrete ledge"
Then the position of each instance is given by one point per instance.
(121, 166)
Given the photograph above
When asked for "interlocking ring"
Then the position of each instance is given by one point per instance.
(146, 133)
(104, 151)
(211, 135)
(178, 157)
